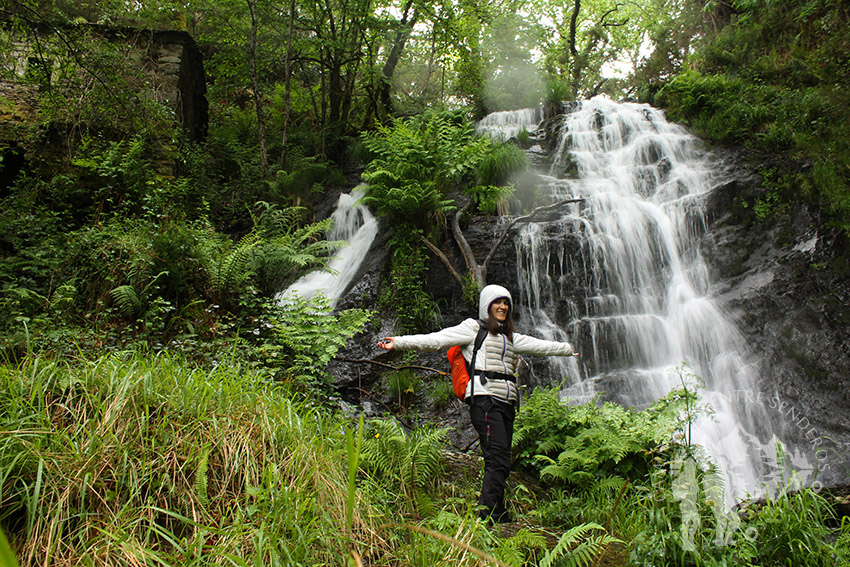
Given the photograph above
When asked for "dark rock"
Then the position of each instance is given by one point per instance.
(786, 281)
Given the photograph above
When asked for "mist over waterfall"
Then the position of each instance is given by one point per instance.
(620, 275)
(354, 223)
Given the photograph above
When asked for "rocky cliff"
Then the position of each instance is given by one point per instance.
(785, 280)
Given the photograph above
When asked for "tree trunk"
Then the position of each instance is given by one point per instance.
(384, 88)
(255, 85)
(287, 71)
(478, 272)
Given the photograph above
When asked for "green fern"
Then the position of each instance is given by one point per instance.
(577, 547)
(232, 267)
(133, 303)
(517, 549)
(127, 299)
(409, 462)
(200, 485)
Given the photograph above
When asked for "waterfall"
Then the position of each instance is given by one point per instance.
(509, 123)
(621, 276)
(355, 224)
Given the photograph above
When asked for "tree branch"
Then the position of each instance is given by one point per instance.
(463, 244)
(573, 22)
(517, 220)
(443, 258)
(390, 366)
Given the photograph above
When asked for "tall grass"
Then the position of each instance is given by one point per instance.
(137, 459)
(140, 460)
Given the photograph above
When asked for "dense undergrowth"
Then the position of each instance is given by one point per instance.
(119, 249)
(134, 458)
(776, 81)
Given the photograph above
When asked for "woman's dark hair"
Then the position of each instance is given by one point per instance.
(506, 328)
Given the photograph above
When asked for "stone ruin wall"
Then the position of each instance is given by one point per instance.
(170, 62)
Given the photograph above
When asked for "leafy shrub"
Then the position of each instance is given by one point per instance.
(578, 445)
(418, 162)
(402, 291)
(305, 336)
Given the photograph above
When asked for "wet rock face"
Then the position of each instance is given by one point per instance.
(787, 280)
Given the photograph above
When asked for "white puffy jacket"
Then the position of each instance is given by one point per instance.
(497, 353)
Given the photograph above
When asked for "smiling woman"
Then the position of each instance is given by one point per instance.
(492, 392)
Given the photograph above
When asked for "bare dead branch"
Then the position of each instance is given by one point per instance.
(517, 220)
(390, 366)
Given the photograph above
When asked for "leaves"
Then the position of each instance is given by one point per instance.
(418, 162)
(407, 461)
(577, 445)
(576, 547)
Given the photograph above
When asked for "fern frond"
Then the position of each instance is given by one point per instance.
(127, 300)
(233, 266)
(578, 553)
(200, 485)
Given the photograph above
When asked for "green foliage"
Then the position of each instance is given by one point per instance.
(776, 80)
(491, 198)
(442, 393)
(7, 556)
(418, 162)
(501, 164)
(523, 138)
(90, 451)
(133, 303)
(306, 336)
(85, 79)
(401, 386)
(792, 528)
(305, 177)
(287, 248)
(578, 445)
(402, 291)
(520, 547)
(576, 548)
(409, 462)
(228, 270)
(687, 523)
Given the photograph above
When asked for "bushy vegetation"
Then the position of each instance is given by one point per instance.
(775, 80)
(138, 458)
(133, 457)
(636, 474)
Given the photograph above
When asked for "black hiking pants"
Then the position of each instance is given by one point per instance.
(494, 422)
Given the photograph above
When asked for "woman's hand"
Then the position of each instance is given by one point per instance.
(387, 343)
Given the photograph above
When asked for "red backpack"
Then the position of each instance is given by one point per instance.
(461, 369)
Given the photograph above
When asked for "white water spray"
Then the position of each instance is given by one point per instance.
(623, 272)
(354, 223)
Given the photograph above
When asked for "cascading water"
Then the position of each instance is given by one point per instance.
(623, 276)
(508, 124)
(355, 224)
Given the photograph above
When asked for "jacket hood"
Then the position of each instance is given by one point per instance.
(488, 295)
